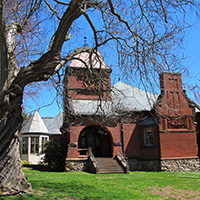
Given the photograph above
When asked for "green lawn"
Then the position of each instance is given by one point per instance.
(136, 185)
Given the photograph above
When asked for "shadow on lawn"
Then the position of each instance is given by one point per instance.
(40, 168)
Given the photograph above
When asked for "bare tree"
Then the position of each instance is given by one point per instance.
(142, 33)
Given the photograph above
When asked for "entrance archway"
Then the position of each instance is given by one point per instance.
(98, 139)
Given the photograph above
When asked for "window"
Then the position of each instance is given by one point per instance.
(24, 145)
(148, 137)
(44, 140)
(34, 145)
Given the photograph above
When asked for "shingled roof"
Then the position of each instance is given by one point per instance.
(43, 125)
(131, 98)
(53, 124)
(35, 125)
(95, 61)
(124, 97)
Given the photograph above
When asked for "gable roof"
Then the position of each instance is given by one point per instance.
(131, 98)
(53, 124)
(91, 107)
(124, 97)
(35, 125)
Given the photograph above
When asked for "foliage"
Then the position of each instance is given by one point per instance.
(54, 156)
(25, 162)
(40, 163)
(136, 185)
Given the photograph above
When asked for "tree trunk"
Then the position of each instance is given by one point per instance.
(12, 178)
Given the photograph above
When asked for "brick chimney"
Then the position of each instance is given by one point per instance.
(171, 82)
(174, 101)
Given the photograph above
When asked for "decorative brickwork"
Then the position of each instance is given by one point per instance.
(178, 135)
(177, 123)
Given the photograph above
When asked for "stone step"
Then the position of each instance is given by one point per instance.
(108, 166)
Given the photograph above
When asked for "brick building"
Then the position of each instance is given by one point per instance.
(152, 132)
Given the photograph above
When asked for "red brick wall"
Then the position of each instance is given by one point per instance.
(174, 138)
(178, 144)
(177, 131)
(152, 152)
(134, 143)
(131, 140)
(116, 138)
(72, 152)
(80, 124)
(174, 101)
(171, 81)
(78, 88)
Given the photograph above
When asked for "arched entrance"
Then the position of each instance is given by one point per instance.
(98, 139)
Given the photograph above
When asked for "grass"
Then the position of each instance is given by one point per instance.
(136, 185)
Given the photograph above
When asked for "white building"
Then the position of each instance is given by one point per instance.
(35, 133)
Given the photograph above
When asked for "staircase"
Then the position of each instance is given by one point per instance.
(108, 166)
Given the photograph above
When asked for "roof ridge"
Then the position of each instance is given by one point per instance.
(132, 86)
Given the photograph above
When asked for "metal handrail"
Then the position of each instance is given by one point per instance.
(91, 154)
(122, 157)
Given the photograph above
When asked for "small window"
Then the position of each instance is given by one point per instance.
(34, 145)
(148, 137)
(24, 145)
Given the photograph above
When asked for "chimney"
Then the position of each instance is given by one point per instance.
(170, 81)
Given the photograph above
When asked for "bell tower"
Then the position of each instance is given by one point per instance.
(88, 77)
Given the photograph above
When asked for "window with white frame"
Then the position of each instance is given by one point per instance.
(34, 145)
(148, 137)
(24, 145)
(44, 140)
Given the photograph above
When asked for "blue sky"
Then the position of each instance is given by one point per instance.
(192, 50)
(47, 104)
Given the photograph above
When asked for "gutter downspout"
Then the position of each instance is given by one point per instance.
(122, 135)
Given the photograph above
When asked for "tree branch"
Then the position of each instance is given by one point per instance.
(53, 10)
(122, 20)
(93, 28)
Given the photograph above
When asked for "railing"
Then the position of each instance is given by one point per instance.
(94, 160)
(122, 157)
(124, 163)
(93, 164)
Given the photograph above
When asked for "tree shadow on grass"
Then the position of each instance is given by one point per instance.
(43, 168)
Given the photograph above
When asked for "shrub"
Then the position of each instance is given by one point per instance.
(53, 154)
(25, 162)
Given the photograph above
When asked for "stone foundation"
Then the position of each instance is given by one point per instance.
(180, 165)
(75, 165)
(147, 165)
(172, 165)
